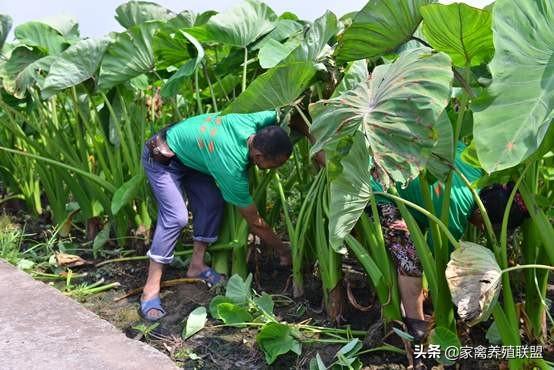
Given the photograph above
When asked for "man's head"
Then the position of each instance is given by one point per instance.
(495, 199)
(270, 147)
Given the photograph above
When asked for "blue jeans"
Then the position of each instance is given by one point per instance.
(170, 183)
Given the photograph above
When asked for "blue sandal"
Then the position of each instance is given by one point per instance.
(210, 277)
(152, 304)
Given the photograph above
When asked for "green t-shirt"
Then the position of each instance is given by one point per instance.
(217, 145)
(461, 199)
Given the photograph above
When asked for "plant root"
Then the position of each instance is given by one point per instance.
(353, 301)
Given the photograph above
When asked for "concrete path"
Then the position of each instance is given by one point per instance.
(42, 329)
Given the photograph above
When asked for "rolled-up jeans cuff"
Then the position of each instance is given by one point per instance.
(205, 239)
(160, 259)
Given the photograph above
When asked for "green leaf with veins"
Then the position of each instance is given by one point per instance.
(195, 322)
(231, 313)
(74, 65)
(42, 36)
(5, 26)
(172, 85)
(355, 73)
(240, 26)
(129, 56)
(397, 110)
(276, 339)
(277, 87)
(273, 52)
(459, 30)
(137, 12)
(512, 119)
(284, 29)
(380, 27)
(238, 290)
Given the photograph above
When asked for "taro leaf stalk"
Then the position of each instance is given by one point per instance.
(536, 232)
(329, 261)
(507, 317)
(310, 245)
(234, 231)
(302, 235)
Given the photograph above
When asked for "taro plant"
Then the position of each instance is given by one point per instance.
(391, 90)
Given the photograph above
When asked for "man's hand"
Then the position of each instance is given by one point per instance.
(259, 227)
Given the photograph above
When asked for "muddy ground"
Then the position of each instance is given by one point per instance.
(217, 347)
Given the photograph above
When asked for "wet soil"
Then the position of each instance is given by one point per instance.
(217, 347)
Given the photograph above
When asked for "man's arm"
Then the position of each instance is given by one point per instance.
(260, 228)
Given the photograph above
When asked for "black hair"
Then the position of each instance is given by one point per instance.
(495, 199)
(273, 142)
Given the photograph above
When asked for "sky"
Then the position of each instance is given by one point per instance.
(96, 17)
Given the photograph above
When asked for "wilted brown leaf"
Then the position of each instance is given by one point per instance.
(473, 277)
(70, 260)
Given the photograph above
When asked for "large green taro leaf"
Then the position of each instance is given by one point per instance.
(282, 84)
(32, 75)
(442, 154)
(5, 26)
(380, 27)
(172, 46)
(284, 28)
(173, 84)
(277, 87)
(397, 110)
(512, 120)
(19, 71)
(41, 35)
(460, 31)
(239, 26)
(350, 191)
(273, 52)
(137, 12)
(355, 73)
(129, 56)
(316, 38)
(74, 65)
(67, 27)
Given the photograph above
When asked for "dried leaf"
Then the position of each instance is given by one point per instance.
(473, 277)
(68, 223)
(70, 260)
